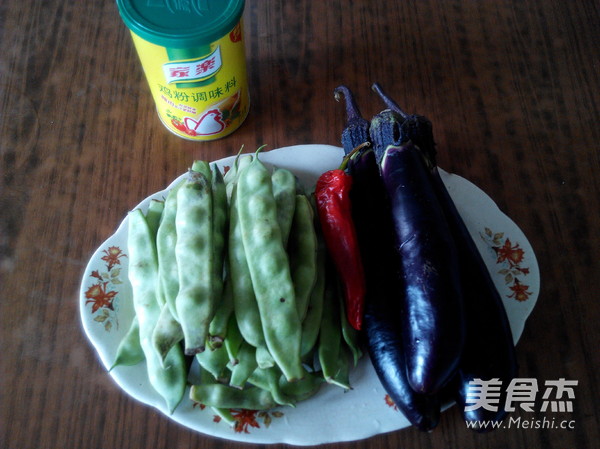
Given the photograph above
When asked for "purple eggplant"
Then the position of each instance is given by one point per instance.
(431, 313)
(489, 351)
(387, 356)
(382, 331)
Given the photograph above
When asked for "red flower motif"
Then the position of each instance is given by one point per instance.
(509, 253)
(510, 256)
(99, 297)
(519, 291)
(244, 419)
(113, 254)
(390, 402)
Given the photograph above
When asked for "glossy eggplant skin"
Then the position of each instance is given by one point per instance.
(381, 324)
(489, 351)
(387, 356)
(432, 314)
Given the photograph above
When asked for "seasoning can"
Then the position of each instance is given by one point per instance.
(193, 56)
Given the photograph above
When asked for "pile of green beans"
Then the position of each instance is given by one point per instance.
(230, 272)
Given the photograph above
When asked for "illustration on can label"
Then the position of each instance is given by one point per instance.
(212, 121)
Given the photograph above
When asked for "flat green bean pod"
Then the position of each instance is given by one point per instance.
(206, 378)
(220, 215)
(302, 250)
(342, 377)
(215, 361)
(194, 250)
(230, 175)
(234, 340)
(269, 379)
(284, 191)
(245, 367)
(269, 268)
(230, 178)
(304, 388)
(203, 167)
(166, 239)
(314, 313)
(330, 350)
(167, 333)
(153, 218)
(154, 214)
(219, 324)
(223, 396)
(129, 351)
(143, 273)
(349, 334)
(264, 357)
(226, 415)
(244, 299)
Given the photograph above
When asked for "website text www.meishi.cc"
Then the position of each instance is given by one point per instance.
(524, 423)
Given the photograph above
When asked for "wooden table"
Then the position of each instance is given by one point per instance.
(513, 90)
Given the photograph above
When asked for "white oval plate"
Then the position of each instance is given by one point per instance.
(332, 415)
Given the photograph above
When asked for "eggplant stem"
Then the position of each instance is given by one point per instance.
(388, 101)
(352, 111)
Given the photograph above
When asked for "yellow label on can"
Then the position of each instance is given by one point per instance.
(200, 93)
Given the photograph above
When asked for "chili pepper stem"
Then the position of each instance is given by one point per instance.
(350, 155)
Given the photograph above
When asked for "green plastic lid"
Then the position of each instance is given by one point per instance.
(181, 23)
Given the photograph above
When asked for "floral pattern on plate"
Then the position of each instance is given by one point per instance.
(510, 258)
(102, 294)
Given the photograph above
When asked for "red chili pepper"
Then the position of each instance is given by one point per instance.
(332, 195)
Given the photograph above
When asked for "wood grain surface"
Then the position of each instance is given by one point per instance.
(513, 90)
